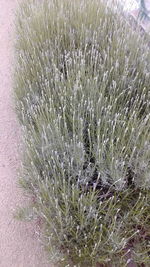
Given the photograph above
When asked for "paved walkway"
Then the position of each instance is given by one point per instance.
(18, 242)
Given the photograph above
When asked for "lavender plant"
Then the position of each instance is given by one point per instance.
(82, 96)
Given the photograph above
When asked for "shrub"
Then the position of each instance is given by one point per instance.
(81, 88)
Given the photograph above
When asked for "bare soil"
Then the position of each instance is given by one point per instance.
(19, 246)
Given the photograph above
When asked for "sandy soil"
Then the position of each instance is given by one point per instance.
(18, 241)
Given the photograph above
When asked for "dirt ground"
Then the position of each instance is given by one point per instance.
(18, 242)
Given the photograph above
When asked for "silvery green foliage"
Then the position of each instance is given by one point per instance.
(82, 96)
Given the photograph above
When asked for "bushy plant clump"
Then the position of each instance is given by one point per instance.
(81, 85)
